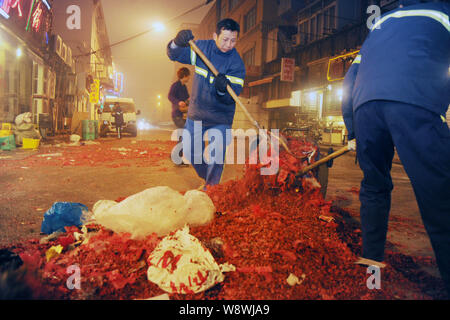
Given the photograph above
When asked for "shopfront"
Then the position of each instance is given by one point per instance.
(26, 83)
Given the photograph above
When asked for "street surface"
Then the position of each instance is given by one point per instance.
(32, 180)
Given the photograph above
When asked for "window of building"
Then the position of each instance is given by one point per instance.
(249, 57)
(312, 29)
(232, 4)
(35, 78)
(223, 10)
(250, 19)
(329, 20)
(272, 45)
(303, 30)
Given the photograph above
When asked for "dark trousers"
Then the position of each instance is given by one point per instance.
(210, 171)
(119, 130)
(422, 141)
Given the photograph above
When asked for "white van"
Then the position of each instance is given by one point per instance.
(107, 121)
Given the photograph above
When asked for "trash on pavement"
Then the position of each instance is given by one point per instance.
(292, 280)
(75, 138)
(157, 210)
(64, 214)
(54, 251)
(180, 264)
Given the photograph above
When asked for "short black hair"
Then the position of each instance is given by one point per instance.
(183, 72)
(227, 24)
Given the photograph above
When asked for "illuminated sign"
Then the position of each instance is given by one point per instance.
(338, 66)
(28, 14)
(118, 83)
(94, 95)
(7, 5)
(36, 17)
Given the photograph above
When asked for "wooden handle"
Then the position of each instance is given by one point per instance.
(231, 91)
(336, 154)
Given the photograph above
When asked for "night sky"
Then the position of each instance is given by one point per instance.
(146, 67)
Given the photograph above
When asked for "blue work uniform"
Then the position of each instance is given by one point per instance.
(214, 110)
(396, 94)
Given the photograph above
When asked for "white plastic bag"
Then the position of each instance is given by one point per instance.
(180, 264)
(159, 209)
(23, 118)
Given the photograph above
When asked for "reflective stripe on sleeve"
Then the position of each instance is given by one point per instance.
(201, 71)
(440, 17)
(357, 59)
(236, 80)
(193, 57)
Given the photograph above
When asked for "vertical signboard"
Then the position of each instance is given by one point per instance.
(287, 69)
(94, 95)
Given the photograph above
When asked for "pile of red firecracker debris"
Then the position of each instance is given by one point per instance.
(266, 229)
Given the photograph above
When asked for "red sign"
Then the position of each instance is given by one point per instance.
(287, 69)
(28, 14)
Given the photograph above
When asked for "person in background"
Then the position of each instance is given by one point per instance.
(117, 113)
(396, 94)
(211, 107)
(179, 97)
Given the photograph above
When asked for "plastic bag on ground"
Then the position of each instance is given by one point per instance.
(22, 118)
(180, 264)
(159, 210)
(64, 214)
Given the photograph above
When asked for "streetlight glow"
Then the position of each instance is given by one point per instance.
(158, 26)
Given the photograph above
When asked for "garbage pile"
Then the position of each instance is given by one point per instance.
(260, 237)
(24, 128)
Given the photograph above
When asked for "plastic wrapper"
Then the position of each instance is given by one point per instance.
(159, 210)
(180, 264)
(64, 214)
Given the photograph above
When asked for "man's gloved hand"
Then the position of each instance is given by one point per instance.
(183, 37)
(352, 145)
(221, 83)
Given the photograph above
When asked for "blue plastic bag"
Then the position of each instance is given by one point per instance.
(63, 214)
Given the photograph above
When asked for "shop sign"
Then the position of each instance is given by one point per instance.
(94, 95)
(287, 69)
(27, 14)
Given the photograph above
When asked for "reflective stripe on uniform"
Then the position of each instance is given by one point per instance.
(357, 59)
(193, 57)
(236, 80)
(232, 79)
(201, 71)
(440, 17)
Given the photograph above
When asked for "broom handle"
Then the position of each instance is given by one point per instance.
(336, 154)
(231, 91)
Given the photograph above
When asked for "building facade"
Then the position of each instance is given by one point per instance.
(82, 28)
(296, 54)
(27, 80)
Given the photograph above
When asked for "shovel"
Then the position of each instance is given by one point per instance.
(235, 97)
(334, 155)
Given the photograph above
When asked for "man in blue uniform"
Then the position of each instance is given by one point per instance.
(396, 94)
(211, 107)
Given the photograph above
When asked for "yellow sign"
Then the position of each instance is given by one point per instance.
(94, 96)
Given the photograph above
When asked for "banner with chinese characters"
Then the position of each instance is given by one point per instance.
(94, 95)
(287, 69)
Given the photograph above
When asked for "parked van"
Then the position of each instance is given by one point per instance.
(107, 122)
